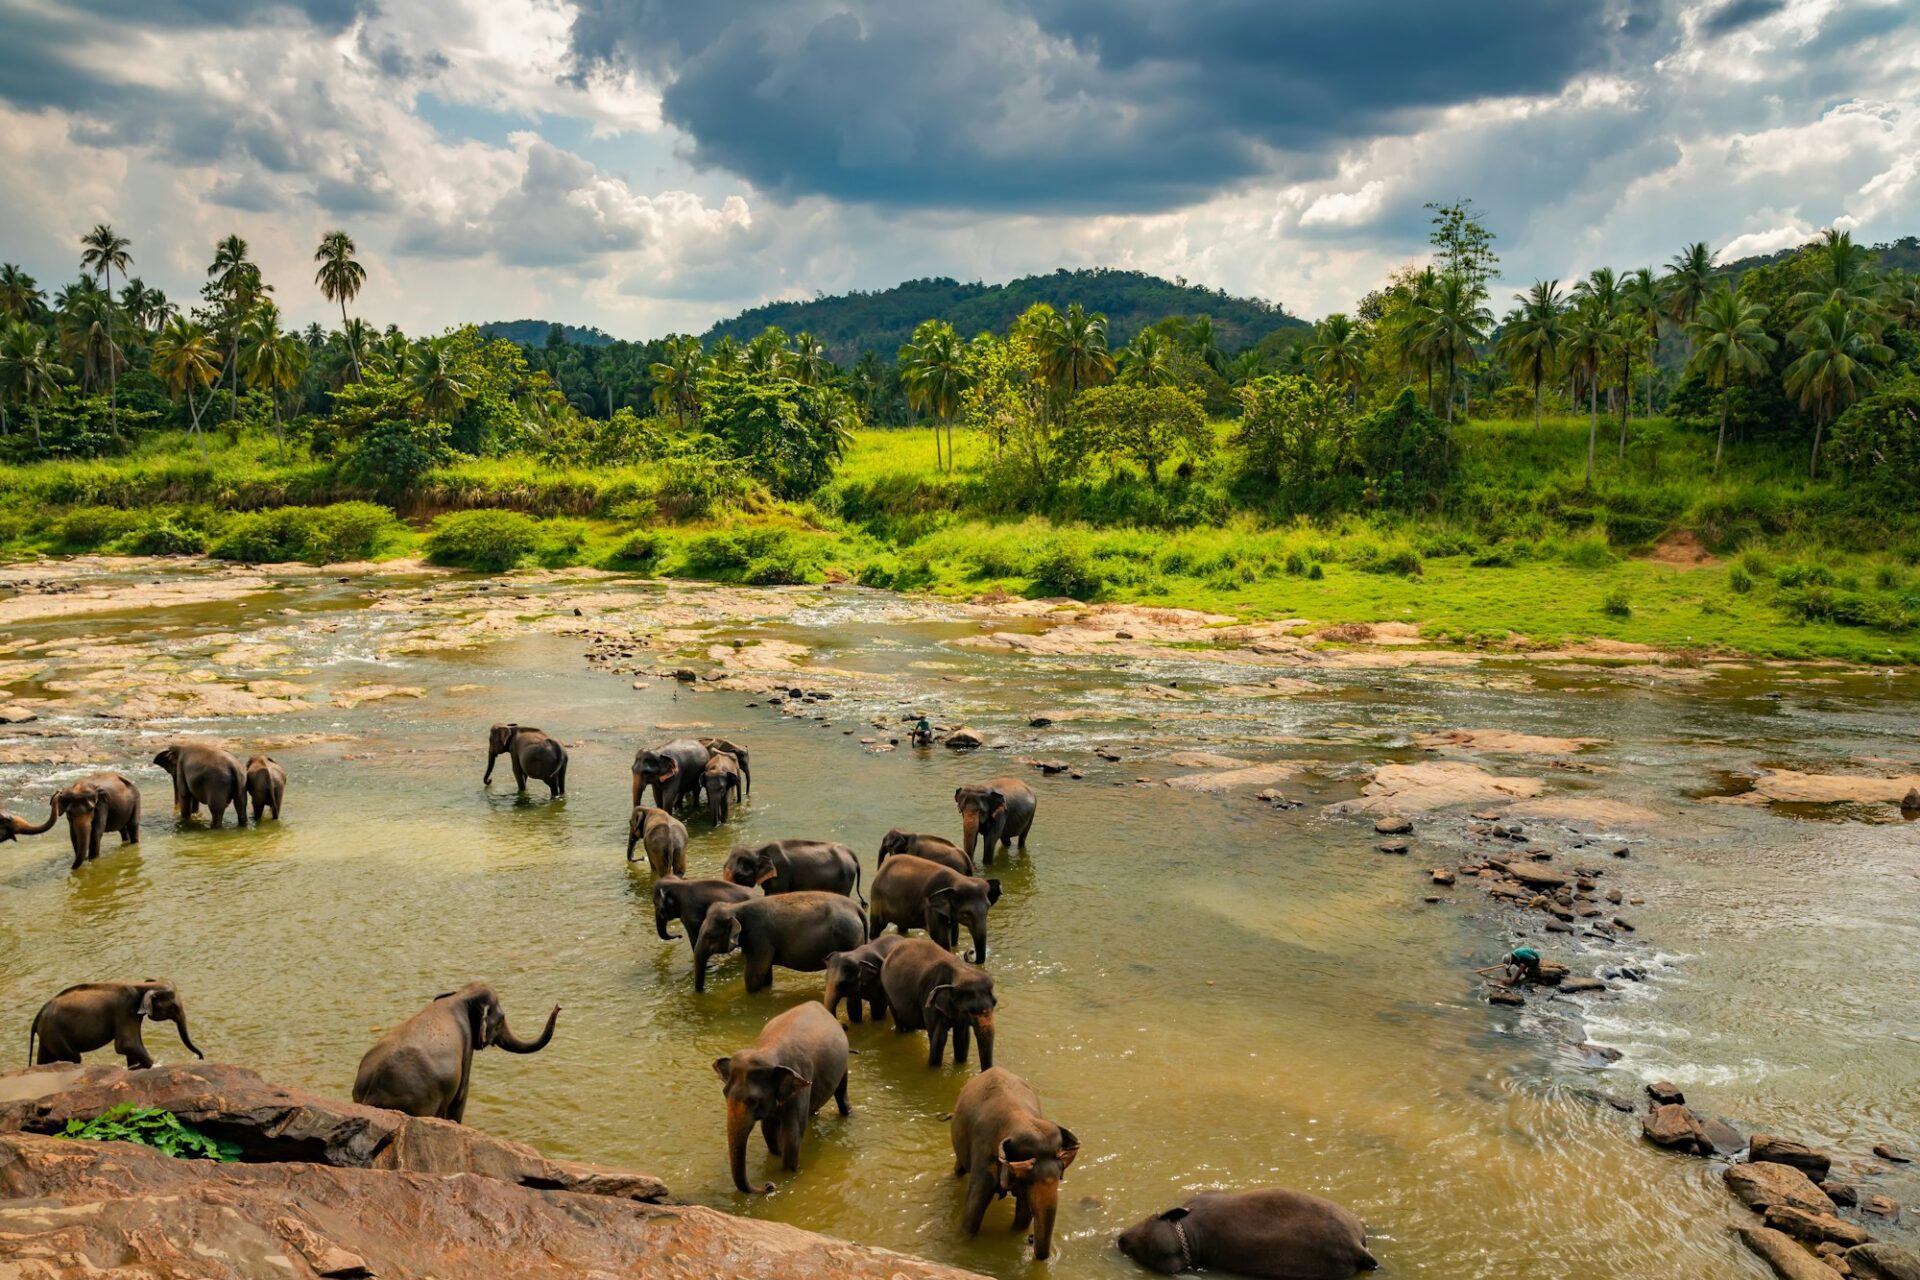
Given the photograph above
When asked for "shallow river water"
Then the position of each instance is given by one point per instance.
(1207, 990)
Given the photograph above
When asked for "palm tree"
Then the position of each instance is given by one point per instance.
(103, 251)
(1843, 272)
(934, 368)
(1148, 360)
(1729, 342)
(1073, 349)
(237, 280)
(869, 377)
(1244, 368)
(1586, 346)
(185, 358)
(1531, 339)
(1452, 323)
(86, 323)
(809, 364)
(29, 374)
(1836, 345)
(1338, 352)
(340, 278)
(270, 359)
(437, 380)
(356, 335)
(1629, 336)
(20, 296)
(1688, 282)
(675, 379)
(766, 355)
(1640, 298)
(726, 356)
(1201, 341)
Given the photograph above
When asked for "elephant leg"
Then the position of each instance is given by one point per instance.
(840, 1095)
(854, 1011)
(792, 1129)
(93, 840)
(960, 1034)
(875, 925)
(557, 786)
(130, 1048)
(519, 777)
(1022, 1210)
(216, 809)
(759, 975)
(936, 1042)
(680, 861)
(979, 1197)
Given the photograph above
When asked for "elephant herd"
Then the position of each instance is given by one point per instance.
(794, 904)
(204, 773)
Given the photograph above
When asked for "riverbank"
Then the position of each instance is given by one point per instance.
(1520, 554)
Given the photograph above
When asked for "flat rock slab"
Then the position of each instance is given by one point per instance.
(1790, 786)
(1761, 1186)
(69, 1207)
(1501, 740)
(1253, 775)
(1773, 1150)
(1433, 784)
(1788, 1260)
(1883, 1262)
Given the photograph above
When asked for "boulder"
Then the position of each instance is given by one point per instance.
(1844, 1194)
(1501, 995)
(1672, 1126)
(1578, 986)
(1772, 1150)
(1883, 1262)
(1536, 877)
(1664, 1091)
(1910, 802)
(1393, 825)
(1886, 1152)
(1815, 1227)
(1391, 846)
(1761, 1186)
(964, 739)
(1788, 1260)
(99, 1208)
(1722, 1138)
(1442, 876)
(1881, 1207)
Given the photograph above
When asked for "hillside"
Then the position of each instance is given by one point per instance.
(1899, 255)
(533, 333)
(881, 321)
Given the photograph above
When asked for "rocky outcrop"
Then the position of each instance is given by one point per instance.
(1883, 1262)
(1815, 1228)
(1768, 1149)
(98, 1208)
(1761, 1186)
(1788, 1260)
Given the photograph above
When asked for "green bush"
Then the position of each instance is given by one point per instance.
(164, 535)
(1740, 580)
(92, 528)
(1064, 568)
(1590, 552)
(1616, 604)
(1371, 558)
(760, 556)
(316, 535)
(490, 541)
(638, 550)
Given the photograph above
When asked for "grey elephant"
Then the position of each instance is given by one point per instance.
(794, 930)
(532, 753)
(673, 770)
(662, 835)
(786, 866)
(930, 989)
(689, 901)
(205, 773)
(854, 976)
(1273, 1232)
(998, 812)
(423, 1066)
(266, 786)
(1004, 1146)
(799, 1061)
(720, 780)
(738, 752)
(921, 845)
(93, 1014)
(96, 804)
(912, 893)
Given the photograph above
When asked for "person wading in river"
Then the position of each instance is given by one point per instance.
(1522, 965)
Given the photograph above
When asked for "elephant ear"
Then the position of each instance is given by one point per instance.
(1011, 1170)
(1069, 1147)
(733, 933)
(993, 892)
(59, 803)
(941, 999)
(767, 870)
(1174, 1215)
(482, 1012)
(791, 1082)
(146, 1001)
(723, 1067)
(996, 803)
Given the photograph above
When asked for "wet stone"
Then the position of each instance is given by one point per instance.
(1664, 1092)
(1393, 825)
(1392, 846)
(1886, 1152)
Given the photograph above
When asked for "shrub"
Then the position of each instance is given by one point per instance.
(1740, 580)
(1406, 451)
(1877, 440)
(1063, 568)
(91, 528)
(760, 556)
(1401, 559)
(490, 541)
(1589, 553)
(1616, 604)
(165, 535)
(316, 535)
(638, 550)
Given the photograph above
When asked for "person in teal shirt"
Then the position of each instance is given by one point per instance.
(1523, 965)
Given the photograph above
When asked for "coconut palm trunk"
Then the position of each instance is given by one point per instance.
(1593, 424)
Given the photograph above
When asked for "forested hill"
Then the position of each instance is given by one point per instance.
(851, 323)
(533, 333)
(1897, 255)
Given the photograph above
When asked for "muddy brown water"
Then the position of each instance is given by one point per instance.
(1207, 991)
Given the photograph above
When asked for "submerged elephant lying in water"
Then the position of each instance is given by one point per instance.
(423, 1066)
(93, 1014)
(1273, 1232)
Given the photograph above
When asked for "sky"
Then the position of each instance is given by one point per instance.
(652, 167)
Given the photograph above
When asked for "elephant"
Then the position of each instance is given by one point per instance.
(933, 848)
(532, 754)
(735, 750)
(793, 930)
(423, 1066)
(94, 1014)
(854, 976)
(929, 988)
(785, 866)
(673, 769)
(96, 804)
(799, 1061)
(999, 812)
(720, 780)
(912, 893)
(266, 786)
(663, 835)
(689, 901)
(1273, 1232)
(205, 773)
(1003, 1146)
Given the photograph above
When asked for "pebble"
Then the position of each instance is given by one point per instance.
(1894, 1154)
(1501, 996)
(1039, 722)
(1622, 852)
(1442, 876)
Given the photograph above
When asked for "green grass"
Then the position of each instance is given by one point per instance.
(1520, 547)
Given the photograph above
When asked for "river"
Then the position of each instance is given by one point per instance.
(1210, 991)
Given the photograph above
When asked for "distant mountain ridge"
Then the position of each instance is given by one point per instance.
(881, 321)
(533, 333)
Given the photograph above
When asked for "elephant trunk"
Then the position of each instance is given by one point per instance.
(660, 919)
(633, 838)
(513, 1044)
(983, 1032)
(970, 827)
(80, 827)
(22, 829)
(979, 932)
(493, 754)
(1044, 1197)
(180, 1025)
(739, 1126)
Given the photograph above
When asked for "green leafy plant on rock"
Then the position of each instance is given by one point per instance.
(152, 1127)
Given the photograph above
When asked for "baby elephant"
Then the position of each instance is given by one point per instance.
(720, 780)
(1004, 1146)
(785, 866)
(533, 755)
(93, 1014)
(1273, 1232)
(266, 786)
(929, 988)
(921, 845)
(912, 893)
(799, 1061)
(688, 901)
(423, 1066)
(664, 837)
(854, 976)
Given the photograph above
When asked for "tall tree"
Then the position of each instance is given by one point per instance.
(186, 358)
(1465, 245)
(1729, 343)
(809, 364)
(437, 379)
(1640, 297)
(1836, 347)
(1453, 322)
(1587, 346)
(1148, 360)
(20, 296)
(676, 377)
(29, 373)
(1198, 336)
(340, 277)
(1073, 349)
(85, 318)
(1531, 338)
(237, 284)
(104, 251)
(1688, 281)
(1842, 272)
(1338, 353)
(934, 368)
(271, 359)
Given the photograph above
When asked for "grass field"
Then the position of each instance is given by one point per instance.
(1760, 561)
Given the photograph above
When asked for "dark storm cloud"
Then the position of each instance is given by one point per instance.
(1736, 14)
(1091, 104)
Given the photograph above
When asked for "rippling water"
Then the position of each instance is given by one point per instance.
(1208, 992)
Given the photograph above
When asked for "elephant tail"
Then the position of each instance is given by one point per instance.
(857, 895)
(33, 1029)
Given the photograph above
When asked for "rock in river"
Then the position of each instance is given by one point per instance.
(965, 740)
(1393, 825)
(1672, 1126)
(1883, 1262)
(1665, 1091)
(1788, 1260)
(1769, 1149)
(1761, 1186)
(1536, 877)
(1815, 1227)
